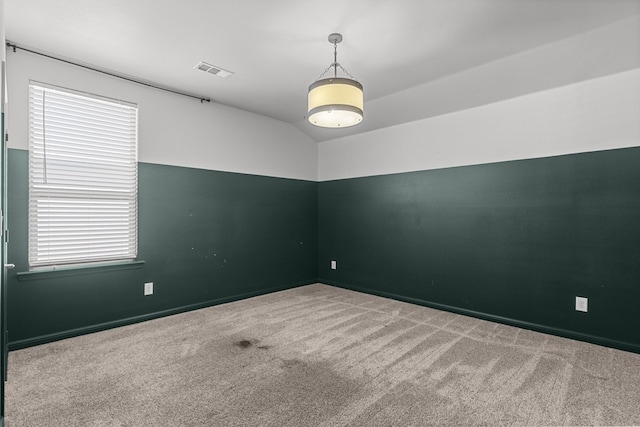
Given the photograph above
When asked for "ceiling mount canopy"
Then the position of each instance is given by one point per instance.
(335, 102)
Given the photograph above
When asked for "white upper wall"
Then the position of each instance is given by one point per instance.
(173, 129)
(596, 114)
(574, 95)
(593, 115)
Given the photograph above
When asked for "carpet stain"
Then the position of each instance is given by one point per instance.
(243, 344)
(291, 392)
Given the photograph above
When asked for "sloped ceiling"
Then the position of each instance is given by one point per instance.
(415, 58)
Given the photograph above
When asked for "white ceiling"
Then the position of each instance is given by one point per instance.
(277, 48)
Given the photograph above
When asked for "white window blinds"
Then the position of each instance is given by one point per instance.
(82, 178)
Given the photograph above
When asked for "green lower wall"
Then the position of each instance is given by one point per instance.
(206, 237)
(514, 242)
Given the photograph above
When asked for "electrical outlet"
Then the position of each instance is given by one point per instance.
(334, 265)
(582, 304)
(148, 288)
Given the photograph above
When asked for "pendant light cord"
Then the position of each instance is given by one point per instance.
(335, 66)
(335, 59)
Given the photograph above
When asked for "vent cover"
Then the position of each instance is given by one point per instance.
(213, 69)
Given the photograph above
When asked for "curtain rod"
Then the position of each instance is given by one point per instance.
(14, 47)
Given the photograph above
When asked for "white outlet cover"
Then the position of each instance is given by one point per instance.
(582, 304)
(148, 288)
(334, 265)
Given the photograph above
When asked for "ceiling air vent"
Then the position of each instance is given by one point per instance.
(213, 69)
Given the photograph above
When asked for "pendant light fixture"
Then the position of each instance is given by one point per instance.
(335, 102)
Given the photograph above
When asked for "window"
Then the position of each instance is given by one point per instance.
(82, 178)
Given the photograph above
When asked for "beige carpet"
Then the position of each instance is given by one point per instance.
(321, 356)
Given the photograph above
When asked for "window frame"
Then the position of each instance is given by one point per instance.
(92, 145)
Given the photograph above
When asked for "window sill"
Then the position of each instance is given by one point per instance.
(78, 270)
